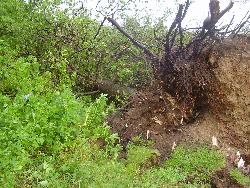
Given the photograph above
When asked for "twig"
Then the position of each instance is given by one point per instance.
(228, 26)
(241, 24)
(89, 93)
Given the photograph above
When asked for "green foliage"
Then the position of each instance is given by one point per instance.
(49, 138)
(186, 168)
(66, 45)
(240, 177)
(196, 164)
(137, 155)
(40, 120)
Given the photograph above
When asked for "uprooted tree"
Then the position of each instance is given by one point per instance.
(185, 70)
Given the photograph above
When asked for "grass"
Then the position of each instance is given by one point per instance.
(197, 164)
(240, 177)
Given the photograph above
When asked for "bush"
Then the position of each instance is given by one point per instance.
(39, 119)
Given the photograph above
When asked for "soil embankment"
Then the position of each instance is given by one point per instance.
(154, 115)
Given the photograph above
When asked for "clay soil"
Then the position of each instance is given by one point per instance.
(154, 115)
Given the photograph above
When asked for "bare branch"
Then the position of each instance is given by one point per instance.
(228, 26)
(99, 29)
(172, 27)
(172, 33)
(230, 5)
(187, 4)
(150, 55)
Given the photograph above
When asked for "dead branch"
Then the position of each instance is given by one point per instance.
(241, 24)
(113, 89)
(228, 26)
(174, 29)
(208, 30)
(100, 27)
(209, 25)
(168, 36)
(181, 39)
(149, 54)
(224, 11)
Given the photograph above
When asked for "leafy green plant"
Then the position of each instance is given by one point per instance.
(187, 167)
(240, 177)
(68, 47)
(196, 163)
(39, 120)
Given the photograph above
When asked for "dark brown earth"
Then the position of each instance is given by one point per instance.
(222, 180)
(155, 115)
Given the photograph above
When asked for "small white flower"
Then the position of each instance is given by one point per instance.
(26, 97)
(241, 163)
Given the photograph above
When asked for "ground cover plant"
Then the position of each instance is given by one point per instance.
(240, 177)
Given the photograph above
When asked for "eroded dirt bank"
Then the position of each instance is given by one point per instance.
(154, 115)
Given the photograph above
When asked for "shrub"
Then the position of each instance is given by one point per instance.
(40, 119)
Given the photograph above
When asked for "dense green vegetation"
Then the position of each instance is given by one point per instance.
(48, 135)
(240, 177)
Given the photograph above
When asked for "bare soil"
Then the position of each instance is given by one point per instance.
(155, 115)
(222, 180)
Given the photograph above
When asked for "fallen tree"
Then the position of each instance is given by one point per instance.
(186, 70)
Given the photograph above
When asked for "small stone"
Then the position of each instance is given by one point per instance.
(173, 146)
(241, 163)
(214, 141)
(148, 132)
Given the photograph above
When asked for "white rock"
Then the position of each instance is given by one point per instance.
(214, 141)
(173, 146)
(241, 163)
(148, 132)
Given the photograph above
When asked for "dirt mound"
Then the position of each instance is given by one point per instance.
(150, 116)
(231, 125)
(233, 71)
(155, 115)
